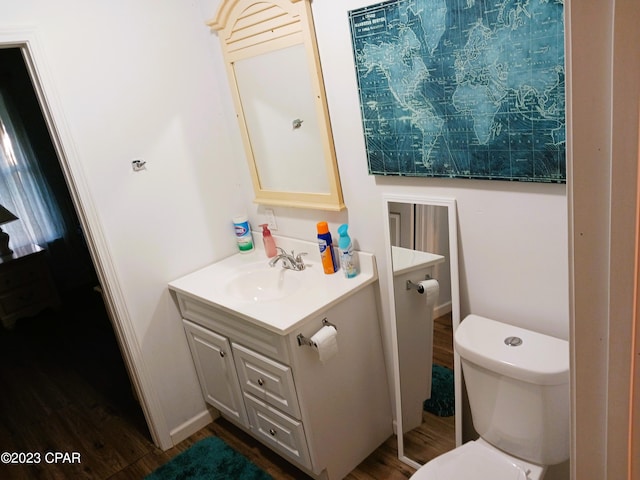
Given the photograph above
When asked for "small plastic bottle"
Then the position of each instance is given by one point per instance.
(347, 260)
(268, 241)
(327, 255)
(243, 233)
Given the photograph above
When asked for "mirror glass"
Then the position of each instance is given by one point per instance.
(274, 71)
(282, 122)
(422, 243)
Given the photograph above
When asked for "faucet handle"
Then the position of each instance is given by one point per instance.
(299, 262)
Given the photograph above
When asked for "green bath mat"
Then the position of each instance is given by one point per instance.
(209, 459)
(443, 400)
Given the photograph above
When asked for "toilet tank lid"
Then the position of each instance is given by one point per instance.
(539, 359)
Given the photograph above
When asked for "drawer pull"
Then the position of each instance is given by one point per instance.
(260, 382)
(222, 354)
(272, 432)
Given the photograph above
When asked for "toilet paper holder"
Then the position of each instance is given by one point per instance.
(302, 340)
(416, 286)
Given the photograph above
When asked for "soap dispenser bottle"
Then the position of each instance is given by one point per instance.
(345, 247)
(268, 241)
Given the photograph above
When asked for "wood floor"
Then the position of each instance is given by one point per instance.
(443, 341)
(63, 388)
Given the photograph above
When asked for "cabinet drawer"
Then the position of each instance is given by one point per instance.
(266, 379)
(279, 431)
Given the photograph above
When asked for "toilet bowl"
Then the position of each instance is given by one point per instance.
(481, 461)
(517, 382)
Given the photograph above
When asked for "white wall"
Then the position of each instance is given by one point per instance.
(136, 80)
(143, 80)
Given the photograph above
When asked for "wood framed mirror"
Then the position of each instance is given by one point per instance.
(273, 67)
(422, 247)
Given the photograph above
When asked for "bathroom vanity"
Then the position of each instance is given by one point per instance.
(249, 327)
(414, 330)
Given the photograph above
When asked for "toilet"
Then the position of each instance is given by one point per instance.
(518, 387)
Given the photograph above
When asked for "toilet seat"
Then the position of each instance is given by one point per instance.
(480, 461)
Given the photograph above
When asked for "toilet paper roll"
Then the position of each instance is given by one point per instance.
(325, 341)
(431, 290)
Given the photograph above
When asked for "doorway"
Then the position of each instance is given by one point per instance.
(73, 348)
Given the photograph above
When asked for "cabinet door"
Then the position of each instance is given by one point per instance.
(216, 371)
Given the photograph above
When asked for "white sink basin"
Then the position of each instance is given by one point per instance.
(261, 283)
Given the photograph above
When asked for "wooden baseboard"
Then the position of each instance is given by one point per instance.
(441, 309)
(192, 425)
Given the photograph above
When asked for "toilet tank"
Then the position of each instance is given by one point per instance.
(518, 387)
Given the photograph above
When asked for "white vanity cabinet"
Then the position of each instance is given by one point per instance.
(250, 389)
(216, 372)
(272, 404)
(324, 417)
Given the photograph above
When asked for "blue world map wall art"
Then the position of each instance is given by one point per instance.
(462, 88)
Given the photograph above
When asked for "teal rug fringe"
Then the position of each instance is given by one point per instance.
(442, 401)
(209, 459)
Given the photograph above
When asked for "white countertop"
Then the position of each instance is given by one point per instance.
(406, 260)
(210, 285)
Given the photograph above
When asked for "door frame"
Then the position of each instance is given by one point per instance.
(35, 60)
(634, 401)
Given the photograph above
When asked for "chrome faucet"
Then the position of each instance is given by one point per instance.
(290, 261)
